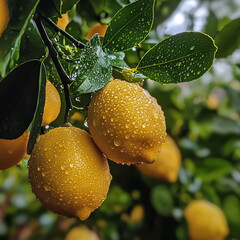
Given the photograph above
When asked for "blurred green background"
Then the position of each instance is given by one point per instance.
(203, 118)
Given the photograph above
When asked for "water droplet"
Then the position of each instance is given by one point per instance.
(117, 142)
(47, 188)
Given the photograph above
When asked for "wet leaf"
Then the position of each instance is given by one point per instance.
(130, 26)
(82, 101)
(116, 58)
(93, 69)
(35, 126)
(11, 38)
(228, 39)
(162, 200)
(18, 99)
(32, 46)
(180, 58)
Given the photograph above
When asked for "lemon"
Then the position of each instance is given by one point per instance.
(63, 22)
(52, 104)
(97, 28)
(4, 15)
(13, 151)
(205, 221)
(126, 123)
(167, 163)
(81, 233)
(68, 174)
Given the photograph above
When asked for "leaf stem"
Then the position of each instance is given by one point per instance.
(54, 55)
(55, 27)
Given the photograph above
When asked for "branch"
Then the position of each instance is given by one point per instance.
(55, 27)
(54, 55)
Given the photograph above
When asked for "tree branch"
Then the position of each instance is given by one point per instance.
(55, 27)
(54, 55)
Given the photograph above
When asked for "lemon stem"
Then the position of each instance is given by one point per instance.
(55, 27)
(54, 55)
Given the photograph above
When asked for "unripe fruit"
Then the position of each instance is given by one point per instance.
(68, 174)
(205, 221)
(4, 15)
(167, 163)
(97, 28)
(126, 123)
(81, 233)
(63, 22)
(13, 151)
(52, 104)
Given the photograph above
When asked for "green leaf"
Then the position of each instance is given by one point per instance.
(32, 46)
(116, 58)
(18, 99)
(93, 69)
(213, 169)
(130, 26)
(10, 40)
(68, 5)
(180, 58)
(228, 39)
(35, 126)
(81, 102)
(162, 200)
(50, 8)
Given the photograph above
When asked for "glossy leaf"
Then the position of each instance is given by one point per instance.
(162, 201)
(228, 39)
(32, 46)
(180, 58)
(130, 26)
(11, 38)
(116, 58)
(35, 126)
(18, 99)
(93, 69)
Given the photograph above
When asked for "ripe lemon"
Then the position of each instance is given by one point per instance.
(126, 123)
(63, 22)
(81, 233)
(13, 151)
(4, 15)
(52, 104)
(205, 221)
(167, 163)
(97, 28)
(68, 174)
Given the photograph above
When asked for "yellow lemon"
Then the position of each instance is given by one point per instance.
(68, 174)
(205, 221)
(52, 104)
(97, 28)
(126, 123)
(167, 163)
(4, 15)
(137, 214)
(63, 22)
(13, 151)
(81, 233)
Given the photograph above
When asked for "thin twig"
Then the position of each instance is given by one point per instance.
(55, 27)
(54, 55)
